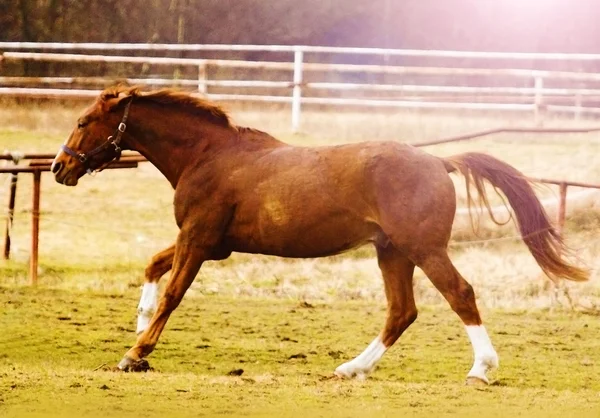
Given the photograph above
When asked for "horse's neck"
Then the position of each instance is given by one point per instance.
(174, 143)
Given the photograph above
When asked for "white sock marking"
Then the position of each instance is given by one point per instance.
(483, 351)
(365, 362)
(147, 305)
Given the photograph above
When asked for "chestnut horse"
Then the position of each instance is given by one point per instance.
(239, 189)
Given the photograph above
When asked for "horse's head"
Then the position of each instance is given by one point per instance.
(95, 141)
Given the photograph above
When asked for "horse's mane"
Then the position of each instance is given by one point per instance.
(171, 97)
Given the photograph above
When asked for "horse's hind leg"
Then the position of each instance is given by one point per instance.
(459, 293)
(397, 273)
(159, 265)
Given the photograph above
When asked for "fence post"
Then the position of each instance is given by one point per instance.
(297, 91)
(202, 75)
(10, 215)
(35, 228)
(537, 111)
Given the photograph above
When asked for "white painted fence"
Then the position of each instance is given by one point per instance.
(93, 46)
(509, 98)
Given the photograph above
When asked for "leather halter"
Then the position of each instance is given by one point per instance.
(112, 141)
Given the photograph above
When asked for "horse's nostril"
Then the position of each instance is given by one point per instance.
(56, 167)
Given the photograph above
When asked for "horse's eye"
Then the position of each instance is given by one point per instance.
(81, 125)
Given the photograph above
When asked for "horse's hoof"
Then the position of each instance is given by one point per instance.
(127, 364)
(347, 371)
(476, 381)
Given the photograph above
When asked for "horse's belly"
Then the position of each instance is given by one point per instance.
(321, 238)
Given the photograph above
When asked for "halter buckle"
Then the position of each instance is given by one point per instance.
(82, 158)
(122, 127)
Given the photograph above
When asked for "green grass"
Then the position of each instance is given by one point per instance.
(52, 340)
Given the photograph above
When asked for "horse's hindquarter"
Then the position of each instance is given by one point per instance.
(309, 202)
(415, 197)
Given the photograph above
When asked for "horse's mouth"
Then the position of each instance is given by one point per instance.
(68, 179)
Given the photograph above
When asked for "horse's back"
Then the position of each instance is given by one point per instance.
(299, 202)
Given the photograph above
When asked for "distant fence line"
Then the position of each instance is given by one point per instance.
(536, 98)
(96, 46)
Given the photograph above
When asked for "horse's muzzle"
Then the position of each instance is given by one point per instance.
(64, 176)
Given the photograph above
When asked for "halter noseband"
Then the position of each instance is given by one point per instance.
(84, 158)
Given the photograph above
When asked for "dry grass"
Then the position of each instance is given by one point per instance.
(100, 234)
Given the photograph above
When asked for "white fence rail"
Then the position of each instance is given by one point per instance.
(582, 87)
(91, 46)
(405, 88)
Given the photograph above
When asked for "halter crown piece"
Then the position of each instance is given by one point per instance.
(112, 141)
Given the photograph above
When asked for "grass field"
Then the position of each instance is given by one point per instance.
(52, 340)
(253, 312)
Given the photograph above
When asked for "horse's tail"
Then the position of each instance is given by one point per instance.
(542, 239)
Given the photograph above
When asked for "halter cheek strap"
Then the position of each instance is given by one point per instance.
(81, 157)
(112, 141)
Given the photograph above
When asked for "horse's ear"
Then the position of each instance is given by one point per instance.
(110, 104)
(111, 97)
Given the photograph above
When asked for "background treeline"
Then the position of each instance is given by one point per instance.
(485, 25)
(511, 25)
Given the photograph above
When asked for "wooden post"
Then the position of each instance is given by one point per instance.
(10, 214)
(35, 228)
(562, 207)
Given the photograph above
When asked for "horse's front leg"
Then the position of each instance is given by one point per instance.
(159, 265)
(188, 257)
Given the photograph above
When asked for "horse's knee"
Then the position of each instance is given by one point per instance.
(396, 324)
(155, 269)
(411, 316)
(406, 318)
(153, 273)
(159, 265)
(150, 271)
